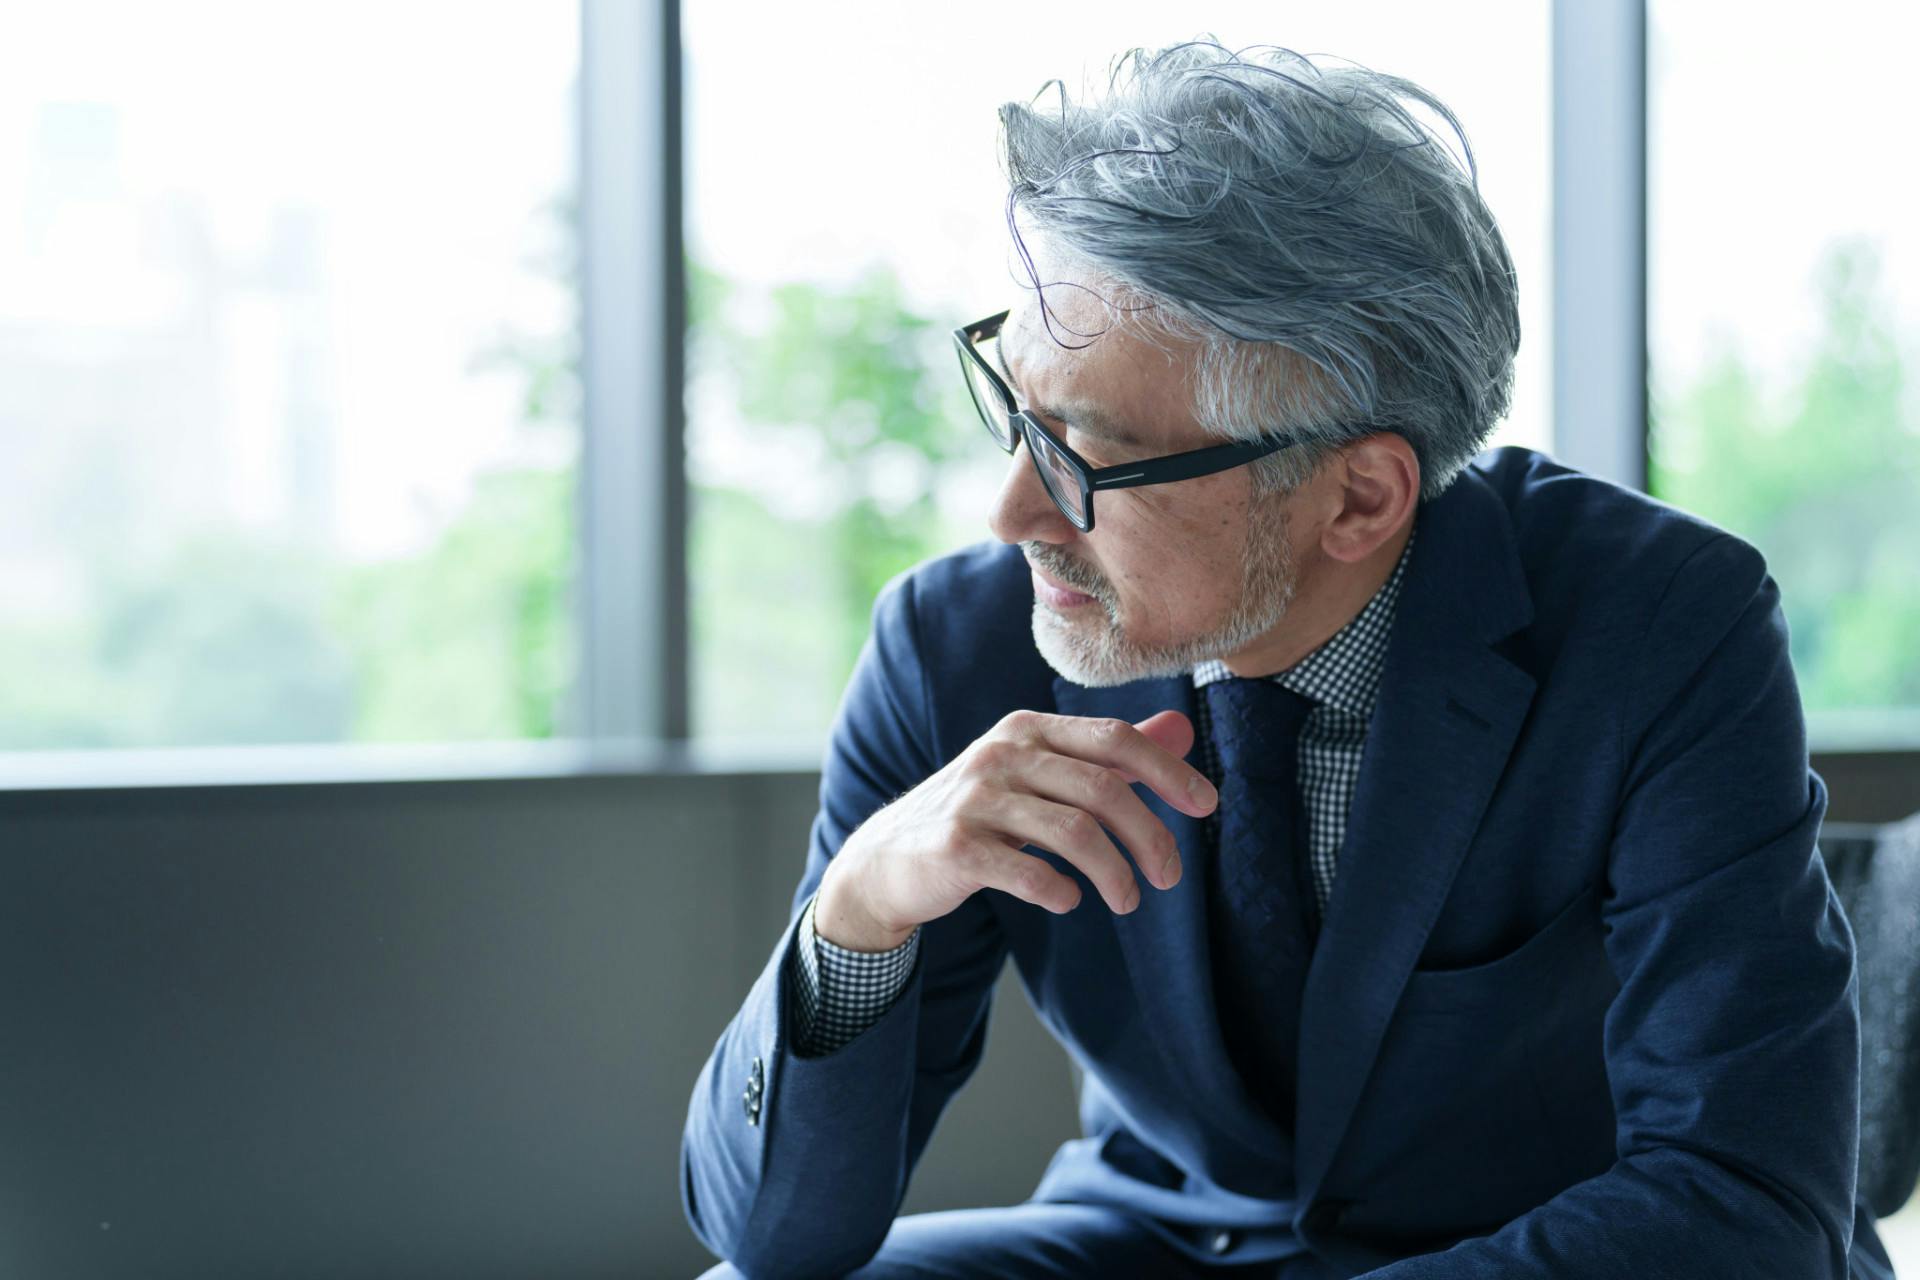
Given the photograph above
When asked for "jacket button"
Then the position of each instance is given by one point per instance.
(1220, 1242)
(756, 1085)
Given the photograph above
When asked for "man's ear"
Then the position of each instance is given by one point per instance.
(1374, 487)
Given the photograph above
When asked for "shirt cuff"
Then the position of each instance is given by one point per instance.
(841, 992)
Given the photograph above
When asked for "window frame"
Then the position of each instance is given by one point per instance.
(630, 706)
(634, 679)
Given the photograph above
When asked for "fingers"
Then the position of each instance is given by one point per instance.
(1058, 780)
(1000, 866)
(1105, 793)
(1075, 835)
(1112, 742)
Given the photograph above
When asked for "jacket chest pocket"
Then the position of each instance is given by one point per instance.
(1525, 977)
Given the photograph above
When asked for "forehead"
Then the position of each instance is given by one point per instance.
(1077, 368)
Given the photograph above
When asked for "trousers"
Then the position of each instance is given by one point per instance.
(1042, 1239)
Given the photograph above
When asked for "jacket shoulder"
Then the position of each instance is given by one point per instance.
(1586, 540)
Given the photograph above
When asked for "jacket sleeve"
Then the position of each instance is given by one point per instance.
(1733, 1044)
(810, 1185)
(839, 993)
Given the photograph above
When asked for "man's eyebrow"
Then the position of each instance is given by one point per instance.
(1077, 414)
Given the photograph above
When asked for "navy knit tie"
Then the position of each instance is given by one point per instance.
(1262, 917)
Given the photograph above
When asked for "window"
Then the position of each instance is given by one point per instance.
(1784, 306)
(286, 373)
(845, 209)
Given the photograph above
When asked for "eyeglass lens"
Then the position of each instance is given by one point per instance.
(1055, 471)
(1059, 477)
(993, 407)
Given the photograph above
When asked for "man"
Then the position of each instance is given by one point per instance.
(1415, 849)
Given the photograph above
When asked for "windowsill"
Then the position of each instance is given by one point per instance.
(281, 764)
(1863, 730)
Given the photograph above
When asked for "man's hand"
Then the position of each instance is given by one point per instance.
(1034, 778)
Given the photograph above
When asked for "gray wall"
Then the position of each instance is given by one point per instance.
(407, 1028)
(428, 1028)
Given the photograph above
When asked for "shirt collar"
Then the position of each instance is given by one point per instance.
(1345, 671)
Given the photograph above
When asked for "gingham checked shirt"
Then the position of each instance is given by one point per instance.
(841, 993)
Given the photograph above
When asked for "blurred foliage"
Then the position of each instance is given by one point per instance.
(472, 639)
(782, 605)
(764, 650)
(235, 638)
(475, 638)
(242, 641)
(225, 639)
(1824, 479)
(215, 642)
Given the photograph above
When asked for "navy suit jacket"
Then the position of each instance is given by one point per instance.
(1584, 1003)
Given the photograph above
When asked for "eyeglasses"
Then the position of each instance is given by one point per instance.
(1068, 477)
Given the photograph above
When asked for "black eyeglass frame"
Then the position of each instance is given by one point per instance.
(1127, 475)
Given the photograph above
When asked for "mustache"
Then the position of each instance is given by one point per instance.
(1069, 574)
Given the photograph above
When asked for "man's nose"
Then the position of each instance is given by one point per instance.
(1023, 510)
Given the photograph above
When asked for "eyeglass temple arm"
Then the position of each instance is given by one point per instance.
(1184, 466)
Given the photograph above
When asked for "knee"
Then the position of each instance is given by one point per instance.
(721, 1271)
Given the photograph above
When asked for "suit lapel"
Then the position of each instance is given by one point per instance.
(1447, 712)
(1444, 721)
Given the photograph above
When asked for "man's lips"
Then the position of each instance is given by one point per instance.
(1055, 594)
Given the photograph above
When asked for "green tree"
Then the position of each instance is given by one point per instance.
(1824, 480)
(874, 383)
(474, 638)
(231, 637)
(471, 639)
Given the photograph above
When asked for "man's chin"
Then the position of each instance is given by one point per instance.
(1066, 653)
(1065, 657)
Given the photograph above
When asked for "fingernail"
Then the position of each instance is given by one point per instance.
(1200, 790)
(1170, 874)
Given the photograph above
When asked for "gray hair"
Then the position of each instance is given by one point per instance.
(1322, 248)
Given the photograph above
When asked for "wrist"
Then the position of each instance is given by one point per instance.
(840, 917)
